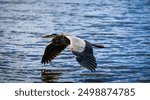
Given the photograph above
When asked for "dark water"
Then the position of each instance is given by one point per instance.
(123, 26)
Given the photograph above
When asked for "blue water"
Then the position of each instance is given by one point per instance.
(123, 26)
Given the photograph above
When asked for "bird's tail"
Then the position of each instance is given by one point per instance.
(98, 45)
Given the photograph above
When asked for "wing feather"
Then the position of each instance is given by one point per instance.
(86, 60)
(51, 51)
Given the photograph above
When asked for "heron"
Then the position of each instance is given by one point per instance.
(82, 49)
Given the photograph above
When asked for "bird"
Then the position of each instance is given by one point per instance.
(82, 49)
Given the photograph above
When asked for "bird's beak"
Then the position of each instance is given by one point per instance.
(46, 36)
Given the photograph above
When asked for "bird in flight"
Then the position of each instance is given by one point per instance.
(82, 49)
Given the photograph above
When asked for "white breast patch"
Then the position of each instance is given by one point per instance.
(77, 44)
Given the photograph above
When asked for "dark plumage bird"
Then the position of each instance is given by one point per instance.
(82, 49)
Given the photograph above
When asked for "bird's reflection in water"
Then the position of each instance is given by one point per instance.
(54, 76)
(93, 77)
(50, 76)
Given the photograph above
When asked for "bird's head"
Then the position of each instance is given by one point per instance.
(49, 36)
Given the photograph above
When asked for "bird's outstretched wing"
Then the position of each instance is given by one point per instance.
(86, 60)
(51, 51)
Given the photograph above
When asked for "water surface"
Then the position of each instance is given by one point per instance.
(123, 26)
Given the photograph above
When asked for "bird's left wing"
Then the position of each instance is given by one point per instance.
(86, 60)
(51, 51)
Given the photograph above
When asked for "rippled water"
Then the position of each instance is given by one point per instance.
(123, 26)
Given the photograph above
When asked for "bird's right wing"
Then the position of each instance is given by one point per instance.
(51, 51)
